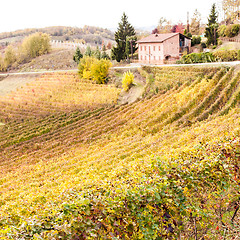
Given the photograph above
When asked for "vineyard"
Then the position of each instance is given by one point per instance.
(76, 165)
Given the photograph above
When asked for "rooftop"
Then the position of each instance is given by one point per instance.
(157, 37)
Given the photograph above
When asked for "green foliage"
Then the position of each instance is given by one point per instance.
(78, 55)
(211, 31)
(226, 55)
(197, 58)
(94, 69)
(125, 30)
(36, 44)
(104, 54)
(196, 40)
(203, 45)
(127, 80)
(232, 30)
(88, 51)
(222, 30)
(97, 53)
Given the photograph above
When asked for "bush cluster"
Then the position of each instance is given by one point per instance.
(217, 56)
(94, 69)
(127, 80)
(196, 40)
(197, 58)
(227, 55)
(229, 31)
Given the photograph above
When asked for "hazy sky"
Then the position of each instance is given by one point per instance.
(20, 14)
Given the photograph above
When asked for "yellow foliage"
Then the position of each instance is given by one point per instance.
(94, 69)
(99, 70)
(127, 80)
(10, 56)
(36, 44)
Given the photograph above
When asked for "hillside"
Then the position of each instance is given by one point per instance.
(75, 165)
(91, 35)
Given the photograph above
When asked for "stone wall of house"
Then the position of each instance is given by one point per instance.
(171, 47)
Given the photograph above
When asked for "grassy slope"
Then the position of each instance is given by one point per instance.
(73, 170)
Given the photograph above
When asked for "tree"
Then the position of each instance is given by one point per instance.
(104, 55)
(230, 9)
(195, 23)
(36, 45)
(164, 26)
(97, 53)
(155, 30)
(9, 57)
(125, 29)
(177, 28)
(77, 56)
(88, 51)
(211, 31)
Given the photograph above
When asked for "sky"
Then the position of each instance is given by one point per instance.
(21, 14)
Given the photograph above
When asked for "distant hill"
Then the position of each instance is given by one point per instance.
(90, 34)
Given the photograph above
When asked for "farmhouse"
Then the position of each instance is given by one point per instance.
(156, 48)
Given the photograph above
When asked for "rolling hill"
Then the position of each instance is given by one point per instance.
(76, 165)
(90, 34)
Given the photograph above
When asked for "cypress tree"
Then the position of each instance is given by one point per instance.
(125, 30)
(211, 31)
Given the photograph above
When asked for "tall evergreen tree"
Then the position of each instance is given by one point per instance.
(77, 56)
(125, 30)
(211, 31)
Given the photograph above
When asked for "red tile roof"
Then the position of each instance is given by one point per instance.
(157, 37)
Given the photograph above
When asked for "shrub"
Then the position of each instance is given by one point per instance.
(196, 40)
(222, 30)
(94, 69)
(127, 80)
(226, 55)
(198, 58)
(85, 66)
(232, 30)
(36, 44)
(99, 70)
(203, 45)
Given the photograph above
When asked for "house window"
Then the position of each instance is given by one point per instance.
(159, 58)
(154, 48)
(154, 58)
(145, 48)
(140, 48)
(159, 48)
(141, 57)
(145, 57)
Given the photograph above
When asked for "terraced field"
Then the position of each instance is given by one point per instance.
(74, 165)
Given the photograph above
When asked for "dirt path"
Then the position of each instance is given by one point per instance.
(13, 82)
(134, 93)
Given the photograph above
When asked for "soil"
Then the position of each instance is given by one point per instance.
(13, 82)
(135, 92)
